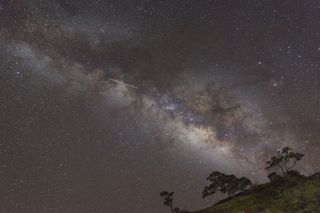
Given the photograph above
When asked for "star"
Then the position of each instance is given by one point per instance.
(106, 103)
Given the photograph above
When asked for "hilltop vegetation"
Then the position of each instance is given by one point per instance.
(287, 192)
(286, 195)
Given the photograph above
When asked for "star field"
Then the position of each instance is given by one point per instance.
(103, 104)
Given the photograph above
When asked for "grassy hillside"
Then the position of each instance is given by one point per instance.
(298, 194)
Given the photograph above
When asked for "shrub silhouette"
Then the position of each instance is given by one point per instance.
(274, 177)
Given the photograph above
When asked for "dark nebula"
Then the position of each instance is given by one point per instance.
(105, 103)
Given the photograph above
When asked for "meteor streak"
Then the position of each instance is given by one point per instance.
(120, 82)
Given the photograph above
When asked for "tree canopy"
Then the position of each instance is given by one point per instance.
(285, 160)
(229, 184)
(168, 201)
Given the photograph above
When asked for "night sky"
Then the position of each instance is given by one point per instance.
(105, 103)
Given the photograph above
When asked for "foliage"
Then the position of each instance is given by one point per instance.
(274, 177)
(229, 184)
(168, 201)
(285, 160)
(300, 198)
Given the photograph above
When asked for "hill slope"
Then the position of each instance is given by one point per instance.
(298, 194)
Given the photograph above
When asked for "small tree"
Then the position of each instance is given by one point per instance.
(168, 201)
(229, 184)
(285, 160)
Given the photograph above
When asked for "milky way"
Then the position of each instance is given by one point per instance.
(106, 103)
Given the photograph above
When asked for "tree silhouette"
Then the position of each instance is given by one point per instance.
(168, 201)
(229, 184)
(285, 160)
